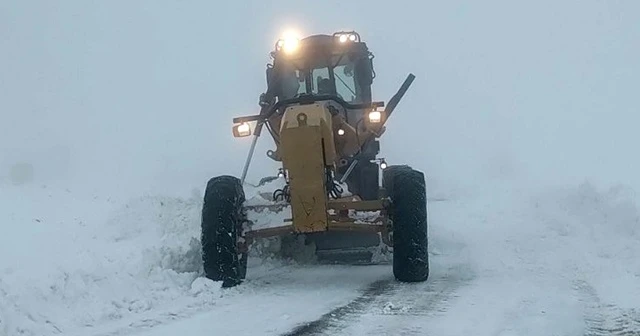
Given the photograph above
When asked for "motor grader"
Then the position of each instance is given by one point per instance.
(318, 109)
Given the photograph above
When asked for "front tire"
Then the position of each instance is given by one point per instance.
(407, 189)
(222, 220)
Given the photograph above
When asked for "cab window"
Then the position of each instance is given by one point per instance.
(321, 81)
(293, 83)
(345, 83)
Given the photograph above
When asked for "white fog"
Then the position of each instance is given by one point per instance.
(108, 107)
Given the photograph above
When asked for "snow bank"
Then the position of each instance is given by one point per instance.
(70, 261)
(75, 263)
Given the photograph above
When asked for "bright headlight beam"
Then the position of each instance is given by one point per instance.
(290, 45)
(375, 117)
(244, 129)
(289, 41)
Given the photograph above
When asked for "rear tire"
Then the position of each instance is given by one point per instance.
(407, 189)
(222, 220)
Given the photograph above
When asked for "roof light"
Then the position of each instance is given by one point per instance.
(289, 41)
(347, 38)
(288, 45)
(344, 37)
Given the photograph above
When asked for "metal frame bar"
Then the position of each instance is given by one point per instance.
(342, 204)
(248, 160)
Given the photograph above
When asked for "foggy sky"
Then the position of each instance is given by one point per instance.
(140, 95)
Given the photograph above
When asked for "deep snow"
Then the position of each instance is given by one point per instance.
(111, 112)
(519, 260)
(76, 260)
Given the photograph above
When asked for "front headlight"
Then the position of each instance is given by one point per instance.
(375, 117)
(241, 130)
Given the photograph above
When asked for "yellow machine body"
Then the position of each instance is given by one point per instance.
(307, 147)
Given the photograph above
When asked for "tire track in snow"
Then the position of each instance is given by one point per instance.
(369, 295)
(6, 325)
(388, 300)
(606, 319)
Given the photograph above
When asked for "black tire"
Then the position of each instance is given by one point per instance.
(222, 220)
(407, 189)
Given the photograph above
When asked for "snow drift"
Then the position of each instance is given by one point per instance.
(77, 263)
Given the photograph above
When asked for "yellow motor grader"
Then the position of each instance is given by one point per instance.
(319, 111)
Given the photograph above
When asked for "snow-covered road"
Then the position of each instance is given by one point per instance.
(112, 111)
(505, 261)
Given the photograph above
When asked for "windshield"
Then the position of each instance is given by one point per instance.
(335, 79)
(345, 82)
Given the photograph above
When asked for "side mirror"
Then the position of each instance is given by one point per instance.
(241, 130)
(263, 100)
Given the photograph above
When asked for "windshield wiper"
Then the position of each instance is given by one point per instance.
(343, 83)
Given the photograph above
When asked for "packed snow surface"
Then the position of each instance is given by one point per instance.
(110, 112)
(505, 261)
